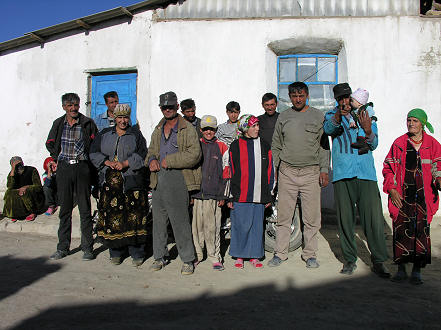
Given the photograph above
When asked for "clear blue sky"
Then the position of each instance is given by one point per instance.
(18, 17)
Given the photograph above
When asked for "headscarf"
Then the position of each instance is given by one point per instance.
(421, 115)
(46, 163)
(245, 122)
(15, 158)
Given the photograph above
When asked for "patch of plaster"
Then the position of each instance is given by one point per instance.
(430, 59)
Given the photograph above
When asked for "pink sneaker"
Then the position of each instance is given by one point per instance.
(30, 217)
(51, 210)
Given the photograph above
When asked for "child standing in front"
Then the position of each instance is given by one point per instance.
(252, 185)
(209, 200)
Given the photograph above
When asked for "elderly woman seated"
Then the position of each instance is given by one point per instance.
(24, 197)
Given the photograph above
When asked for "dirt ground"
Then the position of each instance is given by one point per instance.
(37, 293)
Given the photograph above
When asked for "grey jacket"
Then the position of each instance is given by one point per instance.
(131, 147)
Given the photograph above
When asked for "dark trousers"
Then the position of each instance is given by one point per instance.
(74, 179)
(364, 194)
(170, 201)
(135, 251)
(50, 196)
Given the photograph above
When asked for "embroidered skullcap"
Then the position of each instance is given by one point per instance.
(122, 110)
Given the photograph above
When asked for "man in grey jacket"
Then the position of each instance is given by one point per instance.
(300, 155)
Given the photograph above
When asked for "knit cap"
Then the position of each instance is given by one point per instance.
(361, 96)
(421, 115)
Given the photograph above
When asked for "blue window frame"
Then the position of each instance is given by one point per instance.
(318, 71)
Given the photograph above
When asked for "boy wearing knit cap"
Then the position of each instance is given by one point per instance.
(359, 102)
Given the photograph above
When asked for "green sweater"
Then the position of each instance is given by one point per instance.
(298, 139)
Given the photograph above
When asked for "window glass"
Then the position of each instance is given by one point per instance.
(306, 69)
(326, 69)
(287, 69)
(318, 71)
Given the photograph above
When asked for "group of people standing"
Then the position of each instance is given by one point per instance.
(240, 165)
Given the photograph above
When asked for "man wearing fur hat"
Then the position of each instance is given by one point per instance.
(172, 157)
(355, 183)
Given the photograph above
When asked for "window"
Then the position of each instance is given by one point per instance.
(318, 71)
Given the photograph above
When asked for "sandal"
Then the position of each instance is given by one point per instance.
(218, 266)
(256, 263)
(239, 263)
(30, 217)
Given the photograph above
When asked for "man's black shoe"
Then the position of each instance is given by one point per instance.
(59, 254)
(88, 255)
(379, 269)
(348, 268)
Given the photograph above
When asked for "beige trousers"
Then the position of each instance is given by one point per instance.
(292, 182)
(206, 228)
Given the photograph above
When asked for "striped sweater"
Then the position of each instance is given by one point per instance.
(251, 165)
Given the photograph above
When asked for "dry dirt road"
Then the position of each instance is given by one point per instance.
(37, 293)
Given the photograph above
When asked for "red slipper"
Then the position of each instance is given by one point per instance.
(239, 263)
(30, 217)
(256, 263)
(13, 220)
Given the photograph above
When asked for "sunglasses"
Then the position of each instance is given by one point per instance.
(168, 107)
(208, 129)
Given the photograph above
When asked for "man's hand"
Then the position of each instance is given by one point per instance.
(396, 198)
(164, 164)
(221, 203)
(154, 166)
(22, 190)
(342, 111)
(438, 183)
(323, 179)
(365, 122)
(267, 205)
(230, 205)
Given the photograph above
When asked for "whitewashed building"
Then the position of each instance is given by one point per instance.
(215, 51)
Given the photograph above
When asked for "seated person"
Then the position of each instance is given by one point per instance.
(24, 197)
(50, 185)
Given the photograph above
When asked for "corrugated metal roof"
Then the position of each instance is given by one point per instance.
(202, 9)
(39, 36)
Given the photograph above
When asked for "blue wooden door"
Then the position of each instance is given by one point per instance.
(123, 84)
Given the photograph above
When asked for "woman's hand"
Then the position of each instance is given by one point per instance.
(154, 166)
(267, 205)
(221, 203)
(396, 198)
(22, 190)
(230, 205)
(121, 165)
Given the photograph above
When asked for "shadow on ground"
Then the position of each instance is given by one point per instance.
(354, 302)
(17, 273)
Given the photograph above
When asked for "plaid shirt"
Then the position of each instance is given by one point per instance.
(72, 143)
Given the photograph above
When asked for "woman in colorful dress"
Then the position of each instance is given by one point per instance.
(252, 185)
(412, 178)
(118, 153)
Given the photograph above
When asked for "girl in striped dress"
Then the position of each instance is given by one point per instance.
(252, 185)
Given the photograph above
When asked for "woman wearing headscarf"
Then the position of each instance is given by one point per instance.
(412, 175)
(252, 185)
(118, 153)
(24, 197)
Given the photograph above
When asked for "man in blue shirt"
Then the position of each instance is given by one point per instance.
(106, 119)
(355, 183)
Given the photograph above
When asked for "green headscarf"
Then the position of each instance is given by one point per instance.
(421, 115)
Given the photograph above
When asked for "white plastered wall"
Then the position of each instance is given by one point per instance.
(397, 59)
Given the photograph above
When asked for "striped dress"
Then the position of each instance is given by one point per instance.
(252, 184)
